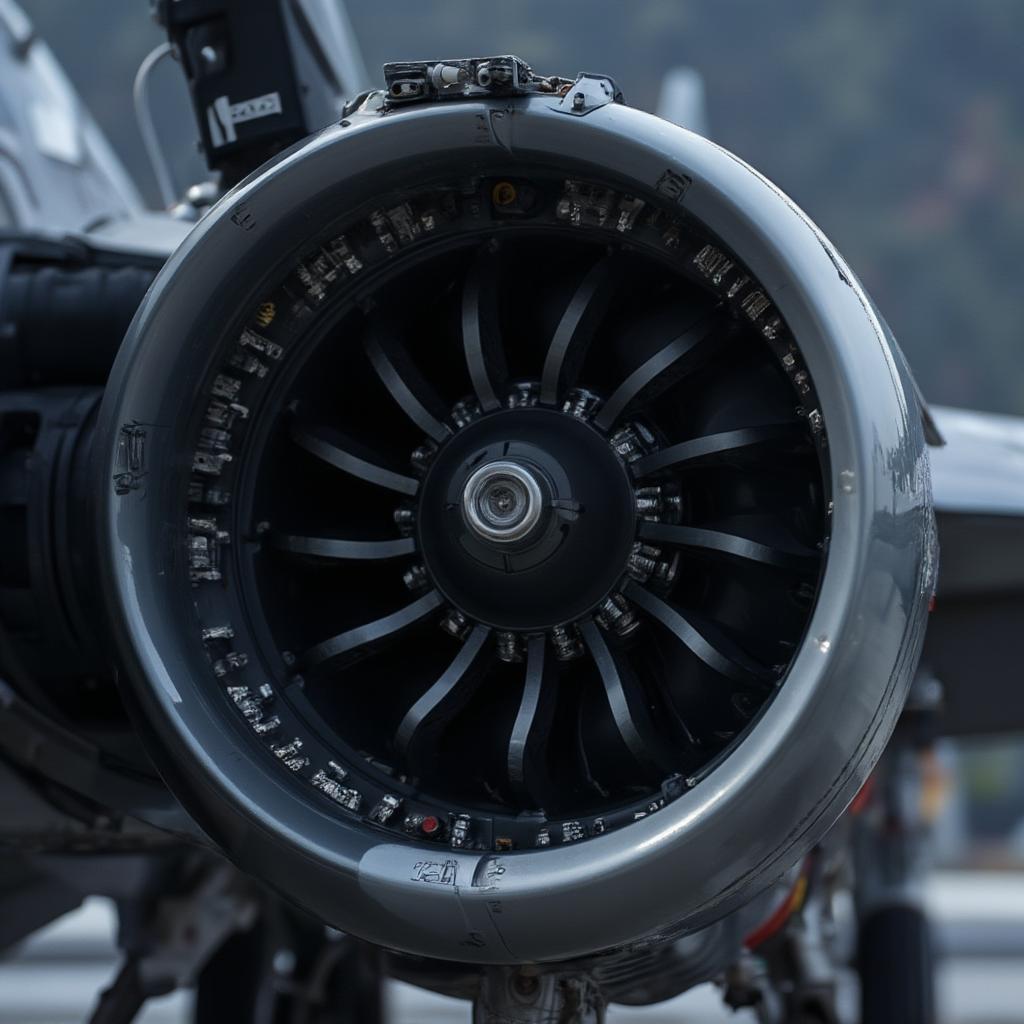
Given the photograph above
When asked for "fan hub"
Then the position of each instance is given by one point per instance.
(526, 519)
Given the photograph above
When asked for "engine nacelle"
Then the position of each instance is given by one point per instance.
(518, 519)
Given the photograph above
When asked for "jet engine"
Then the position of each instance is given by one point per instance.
(514, 520)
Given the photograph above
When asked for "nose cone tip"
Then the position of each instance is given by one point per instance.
(502, 501)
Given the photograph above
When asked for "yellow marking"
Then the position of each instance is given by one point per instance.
(504, 193)
(796, 899)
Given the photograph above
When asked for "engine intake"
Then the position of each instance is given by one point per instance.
(519, 522)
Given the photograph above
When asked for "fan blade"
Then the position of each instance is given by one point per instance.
(730, 545)
(404, 382)
(344, 550)
(528, 741)
(651, 369)
(626, 702)
(372, 632)
(575, 331)
(481, 336)
(339, 451)
(445, 698)
(715, 444)
(732, 664)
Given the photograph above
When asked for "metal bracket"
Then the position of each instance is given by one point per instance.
(589, 92)
(465, 78)
(486, 77)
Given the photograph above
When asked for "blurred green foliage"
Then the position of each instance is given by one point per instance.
(899, 126)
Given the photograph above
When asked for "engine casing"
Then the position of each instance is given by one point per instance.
(728, 832)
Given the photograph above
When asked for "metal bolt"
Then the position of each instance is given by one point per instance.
(464, 412)
(508, 647)
(581, 403)
(665, 573)
(649, 502)
(566, 642)
(617, 615)
(421, 456)
(643, 562)
(415, 577)
(455, 624)
(405, 520)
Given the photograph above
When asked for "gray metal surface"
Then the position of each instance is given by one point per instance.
(972, 644)
(57, 171)
(980, 470)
